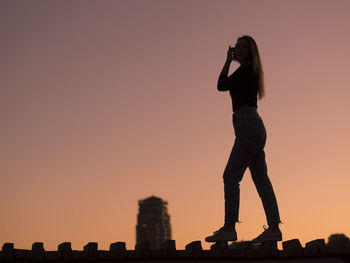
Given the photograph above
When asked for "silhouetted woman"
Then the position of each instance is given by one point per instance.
(244, 85)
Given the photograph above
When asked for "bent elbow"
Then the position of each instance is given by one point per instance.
(222, 84)
(221, 88)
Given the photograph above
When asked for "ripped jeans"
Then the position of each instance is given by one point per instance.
(248, 151)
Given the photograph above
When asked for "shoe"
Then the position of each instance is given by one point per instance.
(268, 235)
(222, 235)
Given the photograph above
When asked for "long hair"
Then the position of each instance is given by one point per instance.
(256, 61)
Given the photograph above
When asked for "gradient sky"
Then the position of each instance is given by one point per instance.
(104, 103)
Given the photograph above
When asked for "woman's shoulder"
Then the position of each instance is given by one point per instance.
(249, 69)
(247, 66)
(242, 70)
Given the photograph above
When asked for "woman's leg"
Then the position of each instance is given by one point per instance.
(258, 170)
(244, 149)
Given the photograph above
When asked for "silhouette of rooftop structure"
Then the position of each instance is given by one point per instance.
(337, 249)
(314, 251)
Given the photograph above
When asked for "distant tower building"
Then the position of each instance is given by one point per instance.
(153, 222)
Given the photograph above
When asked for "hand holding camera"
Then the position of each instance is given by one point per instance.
(230, 54)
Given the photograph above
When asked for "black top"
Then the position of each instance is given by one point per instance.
(243, 86)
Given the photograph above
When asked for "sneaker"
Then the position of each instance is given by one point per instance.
(222, 235)
(268, 235)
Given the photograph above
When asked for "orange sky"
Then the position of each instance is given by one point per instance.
(104, 103)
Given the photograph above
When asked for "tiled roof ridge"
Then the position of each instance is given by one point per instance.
(241, 250)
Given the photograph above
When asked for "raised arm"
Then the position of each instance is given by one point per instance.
(223, 83)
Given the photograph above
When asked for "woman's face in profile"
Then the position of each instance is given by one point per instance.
(242, 51)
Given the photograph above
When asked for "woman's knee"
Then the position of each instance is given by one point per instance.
(231, 178)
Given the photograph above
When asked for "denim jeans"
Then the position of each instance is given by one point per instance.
(248, 151)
